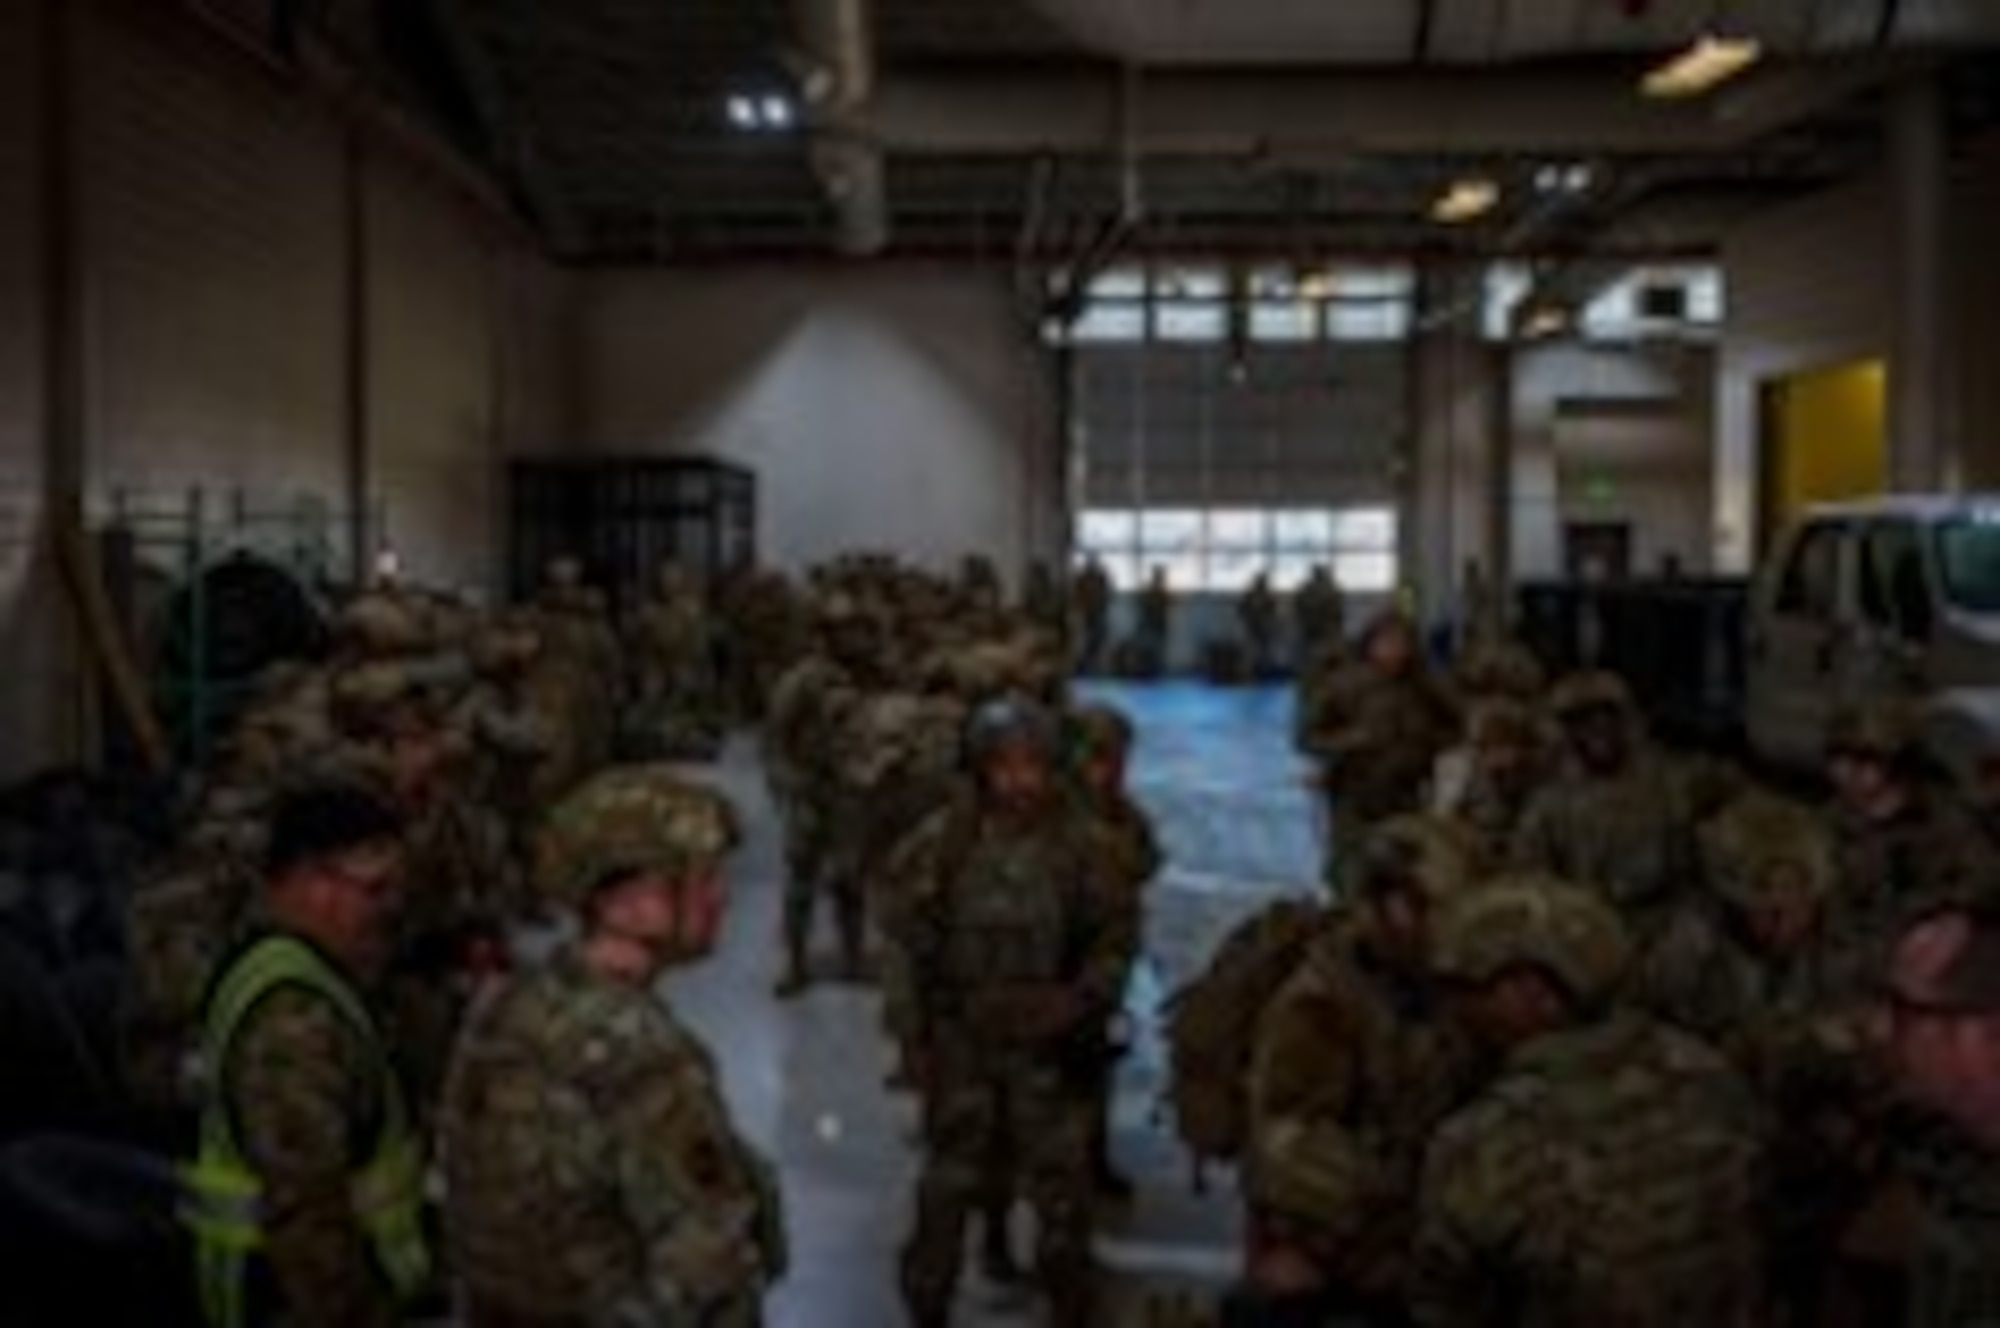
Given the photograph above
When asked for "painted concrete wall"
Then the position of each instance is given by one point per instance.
(899, 407)
(212, 315)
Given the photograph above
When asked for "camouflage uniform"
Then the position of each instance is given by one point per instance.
(1628, 833)
(1378, 738)
(1610, 1173)
(1155, 634)
(1504, 764)
(1015, 963)
(1090, 614)
(594, 1176)
(1126, 854)
(1955, 1281)
(1257, 613)
(1356, 1063)
(1928, 852)
(1318, 617)
(673, 709)
(808, 711)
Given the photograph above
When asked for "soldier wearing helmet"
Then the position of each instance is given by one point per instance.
(1502, 765)
(1355, 1064)
(809, 710)
(1379, 729)
(1609, 1173)
(1618, 818)
(594, 1175)
(1902, 842)
(1090, 614)
(1128, 851)
(1318, 618)
(1016, 963)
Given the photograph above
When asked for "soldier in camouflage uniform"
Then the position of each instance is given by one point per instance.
(594, 1176)
(1902, 843)
(1257, 615)
(305, 1197)
(1377, 732)
(1618, 819)
(1129, 856)
(1319, 617)
(1017, 964)
(674, 710)
(809, 709)
(1941, 1026)
(1610, 1173)
(1090, 615)
(1506, 762)
(1356, 1063)
(1155, 627)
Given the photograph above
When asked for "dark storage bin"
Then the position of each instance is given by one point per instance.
(623, 517)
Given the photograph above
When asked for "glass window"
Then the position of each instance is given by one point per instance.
(1704, 297)
(1170, 528)
(1968, 554)
(1295, 529)
(1895, 591)
(1365, 528)
(1374, 320)
(1811, 588)
(1107, 528)
(1232, 570)
(1389, 285)
(1183, 568)
(1119, 283)
(1123, 569)
(1284, 321)
(1110, 321)
(1368, 573)
(1239, 528)
(1289, 570)
(1189, 320)
(1190, 283)
(1507, 284)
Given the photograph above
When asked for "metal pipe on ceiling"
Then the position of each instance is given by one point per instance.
(837, 37)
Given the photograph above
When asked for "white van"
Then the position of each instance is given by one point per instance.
(1897, 595)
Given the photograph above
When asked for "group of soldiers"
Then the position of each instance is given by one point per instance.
(1593, 1034)
(325, 995)
(1530, 1067)
(937, 787)
(1317, 619)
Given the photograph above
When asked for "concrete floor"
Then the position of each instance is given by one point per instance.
(1216, 770)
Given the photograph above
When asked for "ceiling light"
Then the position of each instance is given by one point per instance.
(777, 113)
(743, 113)
(1707, 64)
(1316, 286)
(1467, 200)
(1547, 321)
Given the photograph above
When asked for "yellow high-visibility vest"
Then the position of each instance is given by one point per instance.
(223, 1201)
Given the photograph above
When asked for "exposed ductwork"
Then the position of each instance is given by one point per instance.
(1359, 112)
(838, 80)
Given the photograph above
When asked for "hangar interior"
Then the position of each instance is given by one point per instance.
(1218, 287)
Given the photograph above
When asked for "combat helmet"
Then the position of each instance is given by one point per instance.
(1098, 728)
(1762, 846)
(1884, 729)
(376, 625)
(1009, 721)
(1503, 721)
(1432, 853)
(630, 819)
(1590, 689)
(1532, 919)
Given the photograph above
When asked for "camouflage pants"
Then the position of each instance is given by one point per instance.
(976, 1113)
(819, 861)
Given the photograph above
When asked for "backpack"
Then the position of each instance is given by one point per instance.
(1211, 1025)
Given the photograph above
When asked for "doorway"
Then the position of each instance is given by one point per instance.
(1597, 552)
(1823, 438)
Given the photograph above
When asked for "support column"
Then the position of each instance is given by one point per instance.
(1457, 413)
(356, 370)
(65, 358)
(1923, 382)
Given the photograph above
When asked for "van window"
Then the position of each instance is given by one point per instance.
(1811, 587)
(1895, 593)
(1968, 555)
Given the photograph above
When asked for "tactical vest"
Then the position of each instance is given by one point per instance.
(223, 1206)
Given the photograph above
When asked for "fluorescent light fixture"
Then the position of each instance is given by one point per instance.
(742, 113)
(777, 113)
(1316, 286)
(1709, 63)
(1547, 321)
(1467, 200)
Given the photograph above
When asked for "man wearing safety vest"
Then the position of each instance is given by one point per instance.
(305, 1199)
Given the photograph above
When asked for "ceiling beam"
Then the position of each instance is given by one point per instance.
(1359, 112)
